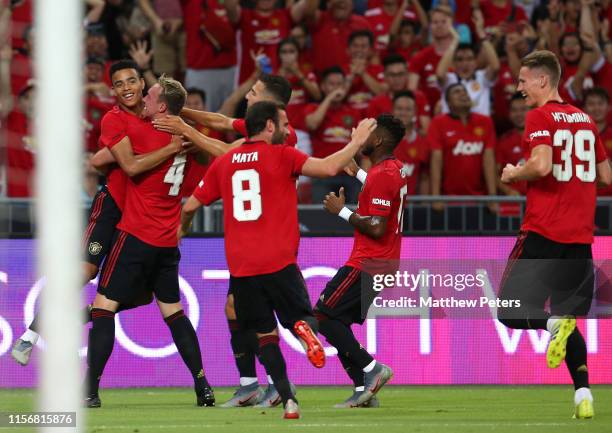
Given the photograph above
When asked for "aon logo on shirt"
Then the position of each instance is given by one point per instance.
(468, 148)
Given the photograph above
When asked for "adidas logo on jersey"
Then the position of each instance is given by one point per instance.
(468, 148)
(381, 202)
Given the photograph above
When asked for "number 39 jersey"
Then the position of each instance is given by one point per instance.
(561, 206)
(382, 195)
(257, 184)
(153, 199)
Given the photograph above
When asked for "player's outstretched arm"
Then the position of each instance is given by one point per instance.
(190, 207)
(538, 165)
(134, 165)
(177, 126)
(102, 159)
(371, 226)
(215, 121)
(335, 163)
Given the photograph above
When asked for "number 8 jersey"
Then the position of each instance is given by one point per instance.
(257, 184)
(561, 206)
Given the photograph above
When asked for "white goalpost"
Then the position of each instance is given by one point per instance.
(58, 66)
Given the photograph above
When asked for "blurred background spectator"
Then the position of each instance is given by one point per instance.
(345, 60)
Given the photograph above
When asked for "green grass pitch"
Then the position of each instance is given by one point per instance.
(457, 409)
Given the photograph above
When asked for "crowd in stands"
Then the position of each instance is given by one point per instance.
(447, 69)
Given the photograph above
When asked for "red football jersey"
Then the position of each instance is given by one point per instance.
(380, 22)
(113, 129)
(261, 32)
(330, 39)
(257, 184)
(239, 126)
(462, 148)
(606, 139)
(494, 15)
(413, 153)
(211, 16)
(195, 171)
(359, 95)
(561, 206)
(509, 150)
(20, 155)
(152, 208)
(382, 195)
(335, 131)
(424, 64)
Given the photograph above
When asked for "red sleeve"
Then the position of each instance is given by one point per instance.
(433, 135)
(112, 130)
(309, 109)
(537, 130)
(291, 138)
(239, 126)
(382, 193)
(208, 190)
(414, 65)
(293, 159)
(600, 151)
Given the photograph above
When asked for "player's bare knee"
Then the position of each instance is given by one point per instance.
(102, 302)
(168, 310)
(266, 334)
(230, 311)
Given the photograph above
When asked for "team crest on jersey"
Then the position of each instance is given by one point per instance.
(94, 248)
(609, 144)
(275, 22)
(412, 152)
(475, 86)
(479, 131)
(348, 120)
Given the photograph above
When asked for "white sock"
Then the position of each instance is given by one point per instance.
(360, 388)
(30, 336)
(369, 367)
(581, 394)
(270, 381)
(552, 324)
(246, 381)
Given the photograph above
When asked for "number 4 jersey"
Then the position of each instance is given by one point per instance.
(152, 208)
(257, 184)
(561, 206)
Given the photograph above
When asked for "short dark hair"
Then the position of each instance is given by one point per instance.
(287, 41)
(258, 114)
(173, 94)
(392, 129)
(403, 94)
(409, 23)
(545, 60)
(599, 92)
(451, 87)
(196, 91)
(567, 35)
(278, 87)
(120, 65)
(361, 33)
(465, 47)
(393, 59)
(332, 70)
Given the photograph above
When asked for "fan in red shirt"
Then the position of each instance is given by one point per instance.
(550, 271)
(413, 150)
(406, 41)
(330, 124)
(597, 105)
(364, 78)
(497, 12)
(98, 101)
(396, 79)
(21, 148)
(330, 30)
(210, 49)
(382, 18)
(21, 63)
(462, 149)
(423, 65)
(257, 184)
(145, 254)
(262, 29)
(509, 149)
(304, 87)
(376, 251)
